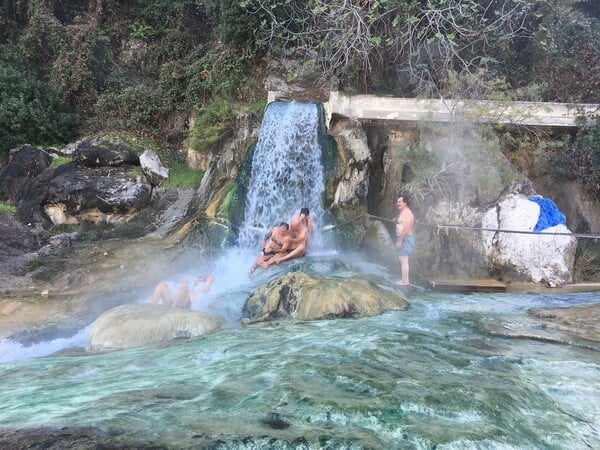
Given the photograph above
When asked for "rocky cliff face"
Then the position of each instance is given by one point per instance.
(454, 178)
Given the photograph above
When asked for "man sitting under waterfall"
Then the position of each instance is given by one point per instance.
(184, 296)
(270, 245)
(294, 245)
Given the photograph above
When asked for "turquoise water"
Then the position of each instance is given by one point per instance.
(427, 377)
(422, 378)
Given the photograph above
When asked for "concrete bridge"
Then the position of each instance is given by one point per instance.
(373, 108)
(370, 107)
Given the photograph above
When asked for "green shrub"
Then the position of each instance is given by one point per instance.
(183, 176)
(134, 107)
(31, 111)
(587, 261)
(580, 158)
(67, 228)
(60, 161)
(5, 207)
(35, 263)
(213, 120)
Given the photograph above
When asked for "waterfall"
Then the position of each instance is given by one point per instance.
(287, 172)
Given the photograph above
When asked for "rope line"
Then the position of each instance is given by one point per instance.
(495, 230)
(500, 230)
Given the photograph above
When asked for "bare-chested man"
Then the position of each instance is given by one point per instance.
(405, 238)
(271, 245)
(307, 219)
(294, 246)
(184, 296)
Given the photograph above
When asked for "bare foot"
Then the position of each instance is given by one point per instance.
(401, 283)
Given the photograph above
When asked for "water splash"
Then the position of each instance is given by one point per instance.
(287, 173)
(13, 351)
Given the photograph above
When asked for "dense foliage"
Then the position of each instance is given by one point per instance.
(146, 66)
(31, 111)
(580, 159)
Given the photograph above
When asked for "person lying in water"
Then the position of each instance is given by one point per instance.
(185, 295)
(271, 244)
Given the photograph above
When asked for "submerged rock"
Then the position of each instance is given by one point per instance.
(305, 297)
(138, 324)
(576, 325)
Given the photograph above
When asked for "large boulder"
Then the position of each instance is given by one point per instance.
(101, 152)
(306, 297)
(546, 256)
(24, 163)
(140, 324)
(72, 193)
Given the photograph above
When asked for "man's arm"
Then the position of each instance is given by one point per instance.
(301, 236)
(286, 244)
(267, 237)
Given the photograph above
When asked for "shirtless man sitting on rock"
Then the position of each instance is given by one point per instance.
(271, 244)
(295, 244)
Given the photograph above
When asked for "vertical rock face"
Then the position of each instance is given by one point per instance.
(543, 256)
(224, 166)
(451, 252)
(353, 188)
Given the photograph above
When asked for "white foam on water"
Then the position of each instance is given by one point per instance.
(14, 351)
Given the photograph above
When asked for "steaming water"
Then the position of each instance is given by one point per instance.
(411, 379)
(422, 378)
(287, 173)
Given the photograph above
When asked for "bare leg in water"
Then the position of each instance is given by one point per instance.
(182, 298)
(162, 291)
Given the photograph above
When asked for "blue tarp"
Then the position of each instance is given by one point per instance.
(550, 215)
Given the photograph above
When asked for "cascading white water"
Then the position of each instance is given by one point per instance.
(287, 172)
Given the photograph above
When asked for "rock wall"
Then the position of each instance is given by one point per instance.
(453, 178)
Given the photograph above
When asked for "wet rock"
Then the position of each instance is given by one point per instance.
(18, 244)
(353, 188)
(305, 297)
(135, 325)
(275, 421)
(576, 325)
(582, 321)
(59, 243)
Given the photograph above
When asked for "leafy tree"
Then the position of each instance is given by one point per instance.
(31, 111)
(580, 159)
(565, 51)
(421, 41)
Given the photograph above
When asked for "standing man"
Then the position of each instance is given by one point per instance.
(405, 239)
